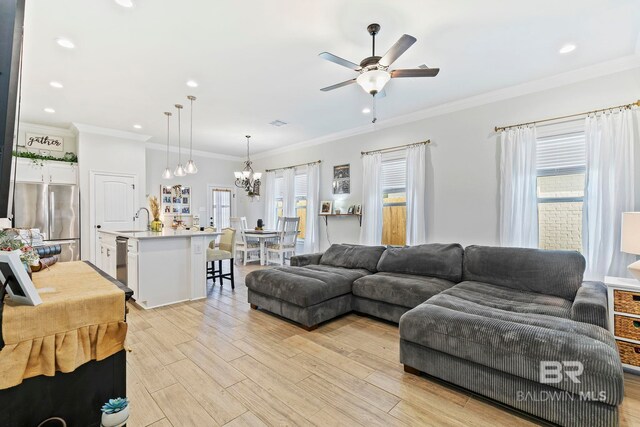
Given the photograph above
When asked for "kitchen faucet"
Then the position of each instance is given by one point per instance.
(148, 217)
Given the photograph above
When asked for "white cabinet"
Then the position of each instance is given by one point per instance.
(46, 171)
(132, 267)
(107, 255)
(62, 172)
(29, 171)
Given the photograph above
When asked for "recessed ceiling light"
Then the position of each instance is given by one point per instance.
(567, 48)
(125, 3)
(65, 43)
(366, 110)
(137, 126)
(192, 83)
(49, 110)
(57, 85)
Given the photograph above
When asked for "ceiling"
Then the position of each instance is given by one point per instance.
(256, 61)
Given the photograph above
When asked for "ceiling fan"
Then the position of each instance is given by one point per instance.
(374, 70)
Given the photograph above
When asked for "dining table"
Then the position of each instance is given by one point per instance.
(262, 236)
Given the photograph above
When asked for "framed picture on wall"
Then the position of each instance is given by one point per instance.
(16, 281)
(342, 179)
(176, 199)
(326, 207)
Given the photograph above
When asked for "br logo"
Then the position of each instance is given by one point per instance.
(553, 372)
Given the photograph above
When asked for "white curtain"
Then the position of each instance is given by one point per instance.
(270, 200)
(417, 195)
(311, 232)
(518, 198)
(371, 230)
(609, 191)
(289, 192)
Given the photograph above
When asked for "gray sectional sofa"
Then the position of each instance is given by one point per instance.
(516, 325)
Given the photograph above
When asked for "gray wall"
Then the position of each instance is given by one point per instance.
(463, 158)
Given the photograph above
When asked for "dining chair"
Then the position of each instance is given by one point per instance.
(226, 250)
(285, 242)
(244, 245)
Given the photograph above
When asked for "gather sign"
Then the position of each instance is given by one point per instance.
(44, 142)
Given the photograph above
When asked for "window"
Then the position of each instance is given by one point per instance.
(301, 202)
(561, 166)
(220, 208)
(300, 193)
(394, 201)
(279, 184)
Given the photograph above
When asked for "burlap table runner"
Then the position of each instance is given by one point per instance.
(81, 318)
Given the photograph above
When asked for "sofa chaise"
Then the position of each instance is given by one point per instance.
(373, 280)
(518, 326)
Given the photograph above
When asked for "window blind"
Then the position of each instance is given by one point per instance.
(561, 151)
(394, 174)
(301, 185)
(279, 184)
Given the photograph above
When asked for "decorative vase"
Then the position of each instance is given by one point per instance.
(116, 419)
(156, 225)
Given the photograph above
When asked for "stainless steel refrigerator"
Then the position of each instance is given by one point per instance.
(55, 210)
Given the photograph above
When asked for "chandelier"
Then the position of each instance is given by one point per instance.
(247, 179)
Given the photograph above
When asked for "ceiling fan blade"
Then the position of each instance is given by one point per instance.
(397, 49)
(415, 72)
(340, 61)
(336, 86)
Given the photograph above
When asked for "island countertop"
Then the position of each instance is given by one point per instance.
(142, 234)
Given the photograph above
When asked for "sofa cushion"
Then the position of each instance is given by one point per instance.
(400, 289)
(303, 286)
(556, 273)
(435, 260)
(353, 256)
(508, 299)
(517, 342)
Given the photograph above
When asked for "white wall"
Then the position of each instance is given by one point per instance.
(212, 170)
(101, 152)
(463, 158)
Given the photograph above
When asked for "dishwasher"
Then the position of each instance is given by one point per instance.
(122, 250)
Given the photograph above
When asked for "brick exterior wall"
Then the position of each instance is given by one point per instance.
(560, 224)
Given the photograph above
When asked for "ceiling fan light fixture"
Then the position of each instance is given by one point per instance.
(373, 81)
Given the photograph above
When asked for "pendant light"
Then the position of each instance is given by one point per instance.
(179, 169)
(247, 179)
(167, 172)
(191, 166)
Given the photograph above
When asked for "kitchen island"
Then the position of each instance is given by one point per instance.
(160, 267)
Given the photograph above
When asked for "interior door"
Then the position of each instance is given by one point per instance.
(114, 198)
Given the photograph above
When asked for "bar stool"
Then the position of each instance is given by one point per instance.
(226, 250)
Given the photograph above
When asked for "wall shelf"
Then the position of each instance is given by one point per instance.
(326, 217)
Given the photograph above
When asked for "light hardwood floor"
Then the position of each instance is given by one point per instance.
(216, 362)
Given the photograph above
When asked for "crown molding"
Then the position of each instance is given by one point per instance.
(586, 73)
(81, 127)
(35, 127)
(198, 153)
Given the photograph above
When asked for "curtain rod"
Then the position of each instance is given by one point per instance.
(501, 128)
(396, 148)
(294, 166)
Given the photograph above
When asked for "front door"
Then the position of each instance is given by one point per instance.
(114, 204)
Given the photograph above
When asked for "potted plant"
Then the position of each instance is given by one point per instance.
(115, 412)
(154, 205)
(11, 241)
